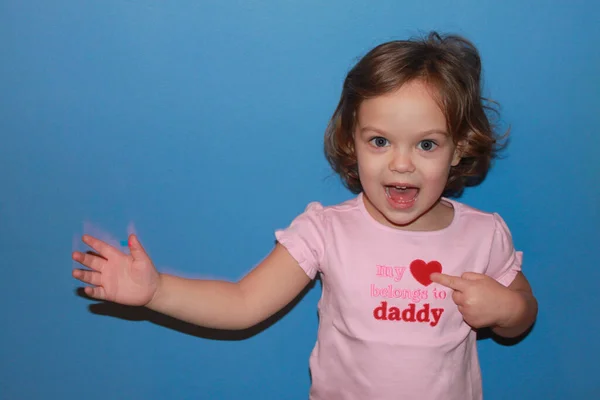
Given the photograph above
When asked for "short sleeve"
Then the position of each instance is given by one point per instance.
(504, 262)
(304, 239)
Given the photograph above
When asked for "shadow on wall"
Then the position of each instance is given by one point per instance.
(487, 333)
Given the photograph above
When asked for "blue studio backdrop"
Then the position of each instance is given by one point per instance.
(199, 125)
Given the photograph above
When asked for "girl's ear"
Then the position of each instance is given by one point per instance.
(458, 152)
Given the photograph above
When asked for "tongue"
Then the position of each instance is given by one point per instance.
(403, 195)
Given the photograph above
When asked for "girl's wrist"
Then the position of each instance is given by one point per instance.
(157, 291)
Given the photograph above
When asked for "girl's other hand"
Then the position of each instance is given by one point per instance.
(482, 301)
(129, 279)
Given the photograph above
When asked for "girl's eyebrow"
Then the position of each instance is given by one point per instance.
(435, 131)
(372, 129)
(423, 133)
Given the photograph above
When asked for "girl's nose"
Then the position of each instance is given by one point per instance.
(402, 161)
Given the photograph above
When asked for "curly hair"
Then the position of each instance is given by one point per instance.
(449, 63)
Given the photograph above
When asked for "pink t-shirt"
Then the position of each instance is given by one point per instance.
(386, 331)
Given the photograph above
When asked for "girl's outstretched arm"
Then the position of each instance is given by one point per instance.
(269, 287)
(132, 279)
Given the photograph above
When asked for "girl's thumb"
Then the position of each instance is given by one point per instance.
(135, 248)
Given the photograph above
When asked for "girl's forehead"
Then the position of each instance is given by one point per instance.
(412, 107)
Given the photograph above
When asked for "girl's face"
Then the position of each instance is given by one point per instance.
(404, 157)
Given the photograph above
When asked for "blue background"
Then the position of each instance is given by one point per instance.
(201, 123)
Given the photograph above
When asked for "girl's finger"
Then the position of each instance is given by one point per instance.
(452, 282)
(103, 248)
(86, 276)
(472, 276)
(89, 260)
(96, 292)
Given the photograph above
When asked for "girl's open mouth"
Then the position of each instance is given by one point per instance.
(402, 196)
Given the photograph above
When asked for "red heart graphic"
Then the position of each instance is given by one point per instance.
(421, 270)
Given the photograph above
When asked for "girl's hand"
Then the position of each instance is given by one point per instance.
(481, 300)
(129, 279)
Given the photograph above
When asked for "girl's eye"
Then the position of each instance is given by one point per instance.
(379, 141)
(427, 145)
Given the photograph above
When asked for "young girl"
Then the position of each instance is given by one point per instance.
(408, 274)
